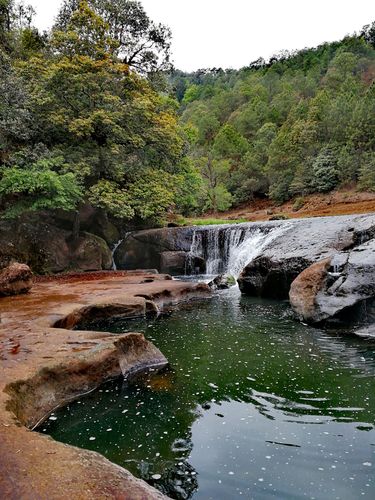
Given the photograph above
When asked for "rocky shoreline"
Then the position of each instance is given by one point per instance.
(46, 364)
(325, 267)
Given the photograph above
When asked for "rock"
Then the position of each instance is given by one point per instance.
(367, 332)
(48, 249)
(144, 249)
(349, 291)
(343, 291)
(173, 263)
(222, 282)
(92, 220)
(137, 355)
(181, 263)
(90, 253)
(304, 289)
(297, 245)
(266, 277)
(15, 279)
(106, 230)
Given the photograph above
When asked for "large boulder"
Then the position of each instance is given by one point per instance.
(91, 220)
(15, 279)
(297, 245)
(90, 253)
(304, 289)
(340, 288)
(173, 262)
(47, 248)
(164, 249)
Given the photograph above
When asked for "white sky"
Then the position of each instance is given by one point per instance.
(231, 34)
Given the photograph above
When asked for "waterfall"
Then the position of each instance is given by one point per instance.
(228, 249)
(115, 247)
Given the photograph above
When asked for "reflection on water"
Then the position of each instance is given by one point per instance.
(254, 406)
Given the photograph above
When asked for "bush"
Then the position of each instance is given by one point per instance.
(367, 173)
(298, 203)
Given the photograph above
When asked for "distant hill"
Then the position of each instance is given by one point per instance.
(301, 123)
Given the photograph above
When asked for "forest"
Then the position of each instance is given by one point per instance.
(93, 111)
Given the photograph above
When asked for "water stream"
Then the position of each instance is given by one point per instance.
(255, 405)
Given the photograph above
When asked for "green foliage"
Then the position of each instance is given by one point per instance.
(189, 188)
(152, 194)
(191, 94)
(111, 198)
(214, 173)
(38, 187)
(298, 203)
(77, 98)
(229, 143)
(302, 122)
(325, 177)
(367, 172)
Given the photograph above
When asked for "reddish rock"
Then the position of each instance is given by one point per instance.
(305, 288)
(44, 367)
(15, 279)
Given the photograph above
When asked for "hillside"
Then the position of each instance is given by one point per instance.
(302, 123)
(338, 202)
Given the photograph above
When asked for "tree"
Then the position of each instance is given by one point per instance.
(367, 172)
(368, 33)
(214, 173)
(113, 131)
(14, 18)
(229, 143)
(324, 168)
(15, 119)
(140, 43)
(39, 187)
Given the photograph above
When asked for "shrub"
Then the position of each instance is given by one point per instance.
(298, 203)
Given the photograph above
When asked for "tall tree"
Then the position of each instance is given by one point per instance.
(140, 43)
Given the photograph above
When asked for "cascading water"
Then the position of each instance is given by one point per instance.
(115, 247)
(228, 249)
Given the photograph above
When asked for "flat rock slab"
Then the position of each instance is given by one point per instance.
(44, 366)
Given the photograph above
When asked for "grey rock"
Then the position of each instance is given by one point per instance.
(304, 242)
(222, 282)
(173, 263)
(144, 249)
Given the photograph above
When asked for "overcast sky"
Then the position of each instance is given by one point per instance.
(231, 34)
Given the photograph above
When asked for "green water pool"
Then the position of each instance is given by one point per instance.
(255, 405)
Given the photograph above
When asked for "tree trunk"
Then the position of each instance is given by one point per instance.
(76, 226)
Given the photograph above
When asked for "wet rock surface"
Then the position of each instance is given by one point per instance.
(222, 282)
(44, 367)
(15, 279)
(137, 355)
